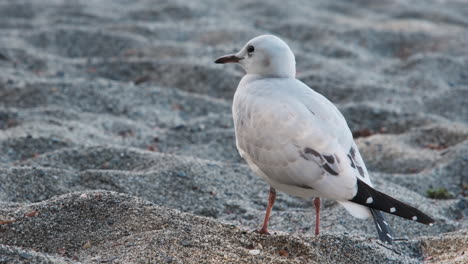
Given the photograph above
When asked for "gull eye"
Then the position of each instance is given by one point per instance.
(250, 49)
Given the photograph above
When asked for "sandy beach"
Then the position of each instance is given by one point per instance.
(118, 143)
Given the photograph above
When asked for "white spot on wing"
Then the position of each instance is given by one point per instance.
(392, 210)
(414, 218)
(369, 200)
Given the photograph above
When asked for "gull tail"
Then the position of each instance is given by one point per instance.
(383, 229)
(372, 198)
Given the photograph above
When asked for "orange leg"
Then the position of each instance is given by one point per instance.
(271, 201)
(317, 215)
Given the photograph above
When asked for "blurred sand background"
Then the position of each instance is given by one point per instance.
(117, 144)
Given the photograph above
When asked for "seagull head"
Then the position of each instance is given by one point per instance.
(266, 56)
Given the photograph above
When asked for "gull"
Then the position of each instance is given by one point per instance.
(299, 142)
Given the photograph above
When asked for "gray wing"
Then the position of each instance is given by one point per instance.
(307, 145)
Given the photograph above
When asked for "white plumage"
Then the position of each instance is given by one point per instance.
(296, 139)
(276, 120)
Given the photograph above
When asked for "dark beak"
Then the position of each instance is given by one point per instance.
(228, 59)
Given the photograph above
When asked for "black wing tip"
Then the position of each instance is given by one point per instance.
(368, 196)
(425, 219)
(383, 229)
(415, 215)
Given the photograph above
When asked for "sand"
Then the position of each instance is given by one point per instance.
(118, 144)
